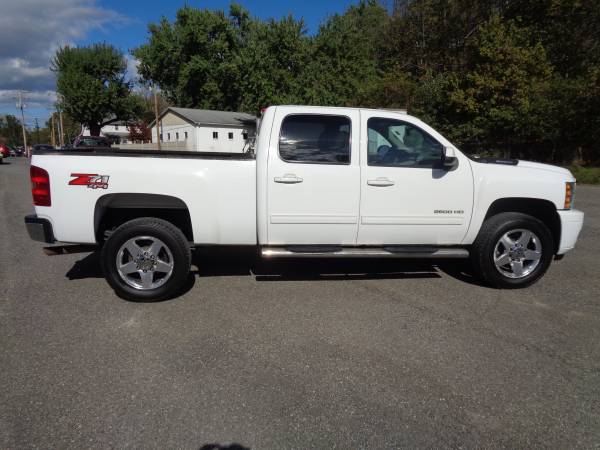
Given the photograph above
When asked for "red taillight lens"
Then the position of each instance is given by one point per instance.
(40, 186)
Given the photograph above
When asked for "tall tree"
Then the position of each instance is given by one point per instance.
(92, 86)
(10, 130)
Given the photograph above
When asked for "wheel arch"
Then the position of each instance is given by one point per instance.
(543, 210)
(112, 210)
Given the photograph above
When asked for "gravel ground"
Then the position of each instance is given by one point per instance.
(346, 354)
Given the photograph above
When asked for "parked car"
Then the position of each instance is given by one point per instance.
(43, 147)
(324, 183)
(5, 150)
(91, 141)
(1, 158)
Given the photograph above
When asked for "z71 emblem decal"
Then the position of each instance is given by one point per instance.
(91, 180)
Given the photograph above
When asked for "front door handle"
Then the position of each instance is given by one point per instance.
(380, 182)
(288, 178)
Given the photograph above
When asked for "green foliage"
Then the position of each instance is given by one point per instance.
(11, 132)
(91, 83)
(496, 76)
(207, 59)
(586, 175)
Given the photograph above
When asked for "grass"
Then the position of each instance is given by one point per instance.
(586, 175)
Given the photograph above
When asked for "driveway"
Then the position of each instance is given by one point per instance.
(345, 354)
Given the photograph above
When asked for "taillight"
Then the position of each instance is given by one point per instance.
(40, 186)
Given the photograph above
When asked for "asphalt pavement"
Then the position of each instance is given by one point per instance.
(309, 354)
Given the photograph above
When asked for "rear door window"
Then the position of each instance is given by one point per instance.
(315, 139)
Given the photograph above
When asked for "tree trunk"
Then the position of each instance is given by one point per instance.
(95, 129)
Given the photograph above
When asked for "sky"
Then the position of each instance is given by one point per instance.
(32, 30)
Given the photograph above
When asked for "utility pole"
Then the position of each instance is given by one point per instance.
(21, 105)
(53, 135)
(37, 130)
(156, 121)
(61, 136)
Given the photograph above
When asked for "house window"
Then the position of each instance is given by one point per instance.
(176, 136)
(245, 135)
(230, 136)
(215, 135)
(161, 137)
(185, 134)
(168, 136)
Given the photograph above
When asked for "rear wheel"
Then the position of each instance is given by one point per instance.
(146, 259)
(513, 250)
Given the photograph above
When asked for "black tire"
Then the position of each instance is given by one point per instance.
(482, 252)
(173, 239)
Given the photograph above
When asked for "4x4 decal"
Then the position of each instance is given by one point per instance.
(91, 180)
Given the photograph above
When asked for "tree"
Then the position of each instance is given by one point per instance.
(139, 132)
(503, 97)
(10, 130)
(91, 85)
(195, 60)
(495, 76)
(145, 97)
(346, 56)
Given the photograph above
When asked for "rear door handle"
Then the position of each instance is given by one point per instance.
(288, 178)
(381, 182)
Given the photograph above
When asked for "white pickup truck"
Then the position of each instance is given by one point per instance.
(322, 182)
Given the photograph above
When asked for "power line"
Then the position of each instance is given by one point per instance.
(21, 105)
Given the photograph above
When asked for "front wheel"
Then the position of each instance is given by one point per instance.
(512, 250)
(146, 259)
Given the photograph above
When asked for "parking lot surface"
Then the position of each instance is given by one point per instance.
(309, 354)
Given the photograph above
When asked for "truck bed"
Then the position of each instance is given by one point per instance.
(218, 190)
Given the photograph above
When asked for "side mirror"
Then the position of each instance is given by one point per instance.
(449, 159)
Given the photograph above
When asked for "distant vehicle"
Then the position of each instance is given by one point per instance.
(12, 151)
(1, 158)
(43, 147)
(5, 150)
(91, 141)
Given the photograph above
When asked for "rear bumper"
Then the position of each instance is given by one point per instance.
(39, 229)
(571, 222)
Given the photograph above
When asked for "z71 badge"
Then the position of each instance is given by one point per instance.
(91, 180)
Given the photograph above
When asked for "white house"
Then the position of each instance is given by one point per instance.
(116, 130)
(205, 130)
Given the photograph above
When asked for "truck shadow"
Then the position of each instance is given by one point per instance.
(225, 262)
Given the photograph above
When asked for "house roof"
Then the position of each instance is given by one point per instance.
(210, 117)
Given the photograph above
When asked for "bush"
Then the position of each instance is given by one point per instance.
(586, 175)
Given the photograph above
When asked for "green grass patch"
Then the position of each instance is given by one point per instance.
(586, 175)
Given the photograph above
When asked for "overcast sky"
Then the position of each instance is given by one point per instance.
(31, 31)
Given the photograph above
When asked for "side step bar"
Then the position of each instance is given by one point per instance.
(364, 252)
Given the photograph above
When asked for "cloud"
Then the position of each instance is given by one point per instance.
(30, 33)
(132, 68)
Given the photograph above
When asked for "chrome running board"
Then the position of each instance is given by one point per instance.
(363, 252)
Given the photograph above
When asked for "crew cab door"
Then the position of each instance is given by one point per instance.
(313, 177)
(407, 196)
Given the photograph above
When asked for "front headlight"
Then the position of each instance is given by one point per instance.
(569, 194)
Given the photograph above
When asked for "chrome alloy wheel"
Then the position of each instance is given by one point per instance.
(517, 253)
(144, 262)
